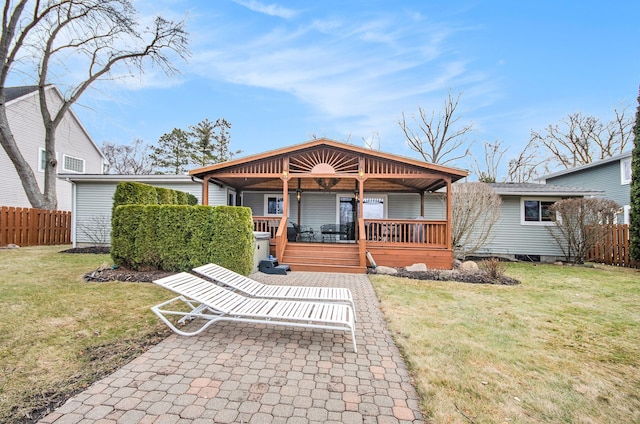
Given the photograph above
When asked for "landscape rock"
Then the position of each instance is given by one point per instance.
(416, 267)
(12, 246)
(468, 266)
(385, 270)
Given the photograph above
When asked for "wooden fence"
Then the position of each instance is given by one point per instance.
(615, 248)
(34, 227)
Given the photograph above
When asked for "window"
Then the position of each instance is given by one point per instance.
(273, 205)
(42, 163)
(72, 164)
(625, 171)
(537, 212)
(373, 208)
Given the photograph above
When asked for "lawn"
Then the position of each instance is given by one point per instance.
(564, 346)
(58, 333)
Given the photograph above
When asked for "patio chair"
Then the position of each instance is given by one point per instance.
(212, 303)
(253, 288)
(303, 232)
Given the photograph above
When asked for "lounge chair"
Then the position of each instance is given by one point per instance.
(253, 288)
(213, 303)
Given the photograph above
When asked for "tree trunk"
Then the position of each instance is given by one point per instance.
(27, 177)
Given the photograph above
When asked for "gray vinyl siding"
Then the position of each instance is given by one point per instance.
(606, 177)
(407, 206)
(511, 237)
(26, 125)
(94, 201)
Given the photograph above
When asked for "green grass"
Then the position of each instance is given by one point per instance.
(564, 346)
(58, 333)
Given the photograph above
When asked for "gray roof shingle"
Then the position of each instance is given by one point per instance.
(543, 190)
(12, 93)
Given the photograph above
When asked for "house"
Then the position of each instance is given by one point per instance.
(92, 201)
(76, 152)
(522, 231)
(329, 205)
(611, 175)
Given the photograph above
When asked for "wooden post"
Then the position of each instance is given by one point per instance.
(205, 190)
(422, 204)
(449, 213)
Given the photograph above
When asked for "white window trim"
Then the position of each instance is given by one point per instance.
(266, 204)
(84, 164)
(623, 165)
(41, 153)
(538, 199)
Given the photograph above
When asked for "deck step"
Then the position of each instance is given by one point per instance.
(323, 257)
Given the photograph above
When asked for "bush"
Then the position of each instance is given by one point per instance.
(181, 237)
(494, 268)
(130, 193)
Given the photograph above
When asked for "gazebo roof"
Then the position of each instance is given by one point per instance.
(324, 164)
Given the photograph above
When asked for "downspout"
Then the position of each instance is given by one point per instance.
(74, 212)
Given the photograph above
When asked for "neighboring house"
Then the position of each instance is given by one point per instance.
(93, 200)
(611, 175)
(522, 232)
(76, 152)
(346, 201)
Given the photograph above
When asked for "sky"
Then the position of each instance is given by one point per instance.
(283, 71)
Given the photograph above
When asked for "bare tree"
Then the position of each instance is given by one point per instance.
(373, 142)
(579, 139)
(475, 210)
(437, 138)
(493, 154)
(580, 225)
(101, 34)
(128, 159)
(527, 165)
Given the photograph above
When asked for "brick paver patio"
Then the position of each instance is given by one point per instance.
(241, 373)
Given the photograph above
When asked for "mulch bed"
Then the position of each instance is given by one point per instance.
(475, 277)
(122, 274)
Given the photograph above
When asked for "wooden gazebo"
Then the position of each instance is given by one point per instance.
(326, 166)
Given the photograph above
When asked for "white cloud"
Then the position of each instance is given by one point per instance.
(267, 9)
(358, 75)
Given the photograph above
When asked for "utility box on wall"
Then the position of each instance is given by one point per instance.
(262, 248)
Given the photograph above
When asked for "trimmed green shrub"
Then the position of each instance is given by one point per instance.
(166, 196)
(131, 193)
(191, 199)
(124, 228)
(182, 237)
(233, 242)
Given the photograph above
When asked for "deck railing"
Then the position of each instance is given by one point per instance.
(396, 232)
(266, 224)
(406, 232)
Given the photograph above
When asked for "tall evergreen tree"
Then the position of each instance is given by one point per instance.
(204, 146)
(222, 138)
(173, 153)
(635, 189)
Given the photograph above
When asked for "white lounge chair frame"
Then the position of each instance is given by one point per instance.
(213, 303)
(252, 288)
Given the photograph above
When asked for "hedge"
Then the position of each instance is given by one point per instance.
(182, 237)
(132, 193)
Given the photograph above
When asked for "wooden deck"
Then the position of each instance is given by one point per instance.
(394, 243)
